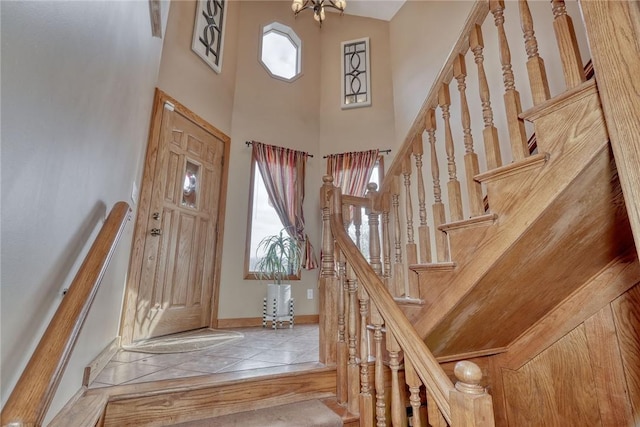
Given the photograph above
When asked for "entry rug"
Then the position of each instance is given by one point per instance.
(185, 341)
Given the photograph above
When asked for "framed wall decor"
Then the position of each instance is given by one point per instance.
(356, 73)
(208, 32)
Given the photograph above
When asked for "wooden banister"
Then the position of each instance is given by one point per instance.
(30, 399)
(427, 367)
(477, 15)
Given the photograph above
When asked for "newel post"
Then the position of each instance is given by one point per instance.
(471, 405)
(329, 282)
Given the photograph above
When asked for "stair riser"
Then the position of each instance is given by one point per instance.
(161, 409)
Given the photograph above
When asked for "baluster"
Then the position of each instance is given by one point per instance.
(381, 412)
(374, 230)
(328, 284)
(398, 413)
(423, 228)
(398, 266)
(453, 186)
(489, 133)
(352, 367)
(442, 247)
(517, 135)
(535, 64)
(411, 285)
(470, 157)
(414, 383)
(342, 349)
(386, 240)
(567, 44)
(357, 224)
(471, 405)
(328, 261)
(366, 400)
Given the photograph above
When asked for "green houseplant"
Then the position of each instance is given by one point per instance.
(281, 258)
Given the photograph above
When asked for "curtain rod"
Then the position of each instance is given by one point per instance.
(387, 151)
(251, 142)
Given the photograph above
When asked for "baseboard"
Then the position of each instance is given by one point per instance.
(97, 365)
(246, 322)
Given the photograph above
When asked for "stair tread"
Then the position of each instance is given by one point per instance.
(312, 413)
(438, 266)
(408, 300)
(531, 162)
(487, 219)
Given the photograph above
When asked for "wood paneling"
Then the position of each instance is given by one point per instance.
(608, 373)
(556, 388)
(614, 280)
(626, 311)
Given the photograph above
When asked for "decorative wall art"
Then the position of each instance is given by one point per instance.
(356, 75)
(208, 32)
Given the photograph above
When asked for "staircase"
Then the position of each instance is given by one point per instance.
(525, 273)
(515, 303)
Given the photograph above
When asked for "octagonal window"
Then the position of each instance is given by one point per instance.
(281, 52)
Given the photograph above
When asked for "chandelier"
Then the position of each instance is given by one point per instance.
(318, 7)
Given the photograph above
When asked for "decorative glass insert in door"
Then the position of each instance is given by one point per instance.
(190, 185)
(356, 82)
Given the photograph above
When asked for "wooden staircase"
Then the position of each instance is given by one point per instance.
(533, 291)
(557, 219)
(529, 306)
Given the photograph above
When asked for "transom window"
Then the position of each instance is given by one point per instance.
(281, 52)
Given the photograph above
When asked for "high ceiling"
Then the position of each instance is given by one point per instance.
(379, 9)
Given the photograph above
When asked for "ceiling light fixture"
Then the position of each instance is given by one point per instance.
(318, 7)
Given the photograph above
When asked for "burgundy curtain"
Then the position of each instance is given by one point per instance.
(283, 171)
(352, 171)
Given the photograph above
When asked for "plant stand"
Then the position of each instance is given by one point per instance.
(278, 306)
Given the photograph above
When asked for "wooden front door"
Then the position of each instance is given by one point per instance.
(180, 236)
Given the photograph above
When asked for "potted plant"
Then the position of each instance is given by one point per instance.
(281, 258)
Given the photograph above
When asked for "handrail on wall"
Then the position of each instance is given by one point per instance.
(30, 399)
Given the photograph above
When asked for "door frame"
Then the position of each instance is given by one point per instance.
(140, 234)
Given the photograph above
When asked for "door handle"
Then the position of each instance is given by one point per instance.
(156, 232)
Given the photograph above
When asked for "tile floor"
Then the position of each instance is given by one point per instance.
(259, 348)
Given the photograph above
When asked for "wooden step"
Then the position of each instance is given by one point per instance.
(477, 221)
(532, 162)
(348, 419)
(190, 399)
(437, 267)
(311, 413)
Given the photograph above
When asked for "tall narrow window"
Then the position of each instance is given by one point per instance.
(208, 32)
(264, 220)
(277, 196)
(356, 78)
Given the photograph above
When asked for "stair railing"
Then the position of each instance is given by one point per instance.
(365, 300)
(463, 201)
(401, 206)
(30, 399)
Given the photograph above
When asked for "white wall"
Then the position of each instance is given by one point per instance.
(77, 89)
(187, 78)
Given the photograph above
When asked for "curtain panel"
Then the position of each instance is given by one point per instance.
(352, 171)
(283, 172)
